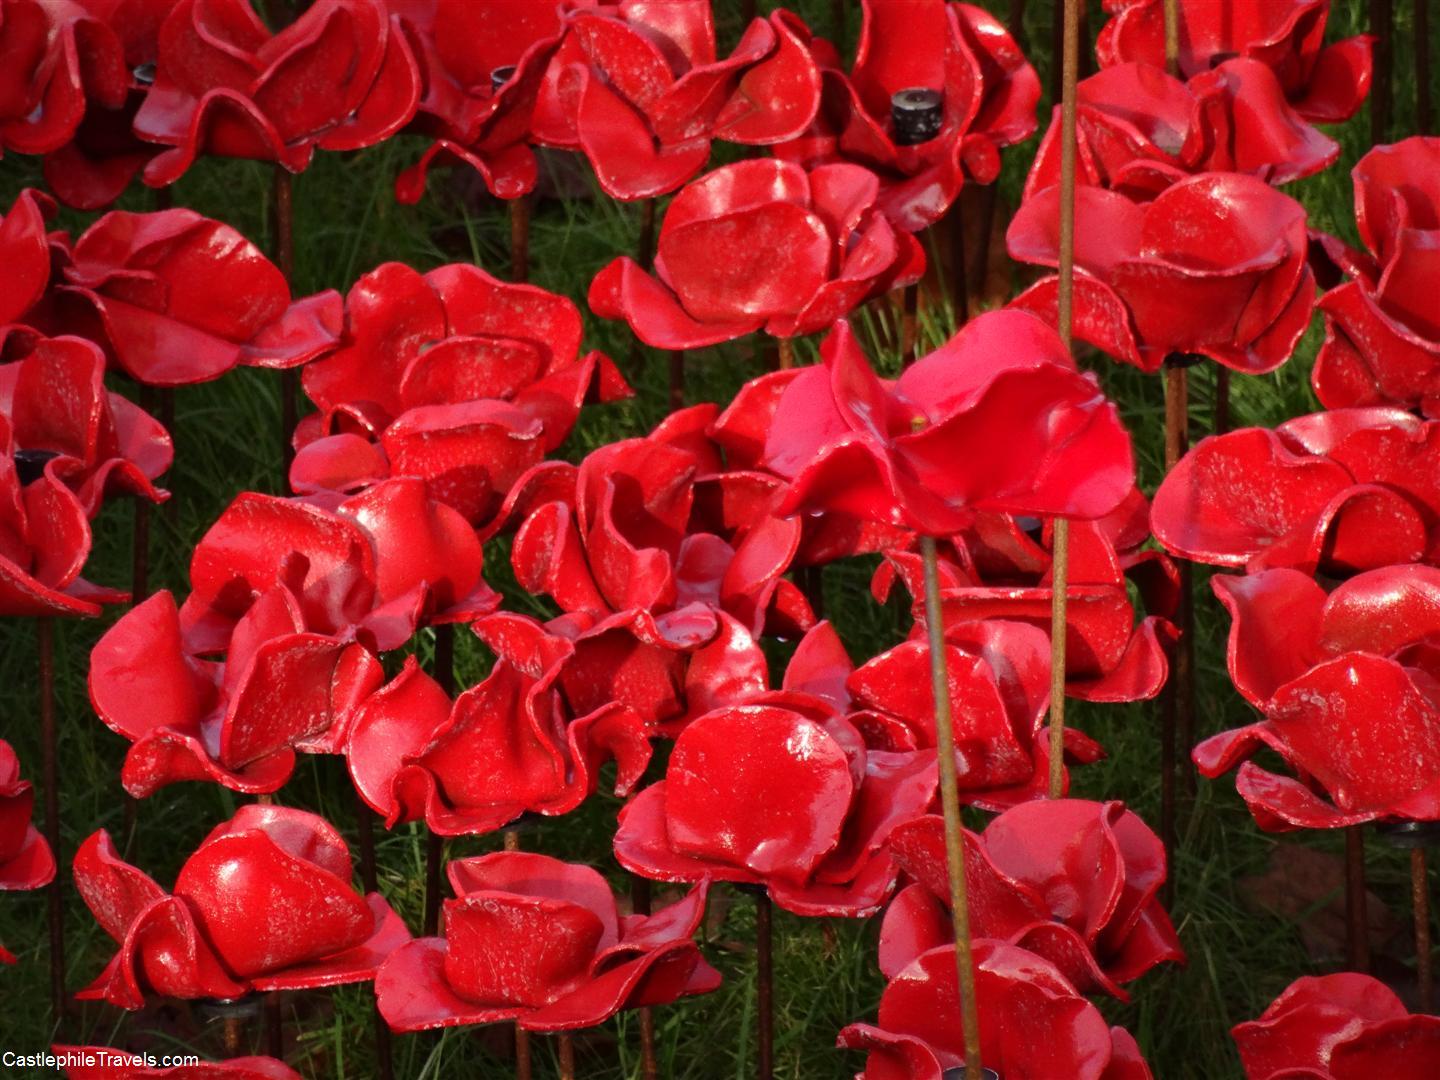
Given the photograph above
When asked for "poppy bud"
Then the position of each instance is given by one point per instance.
(915, 115)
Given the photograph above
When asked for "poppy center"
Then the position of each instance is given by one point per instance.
(500, 76)
(915, 115)
(30, 464)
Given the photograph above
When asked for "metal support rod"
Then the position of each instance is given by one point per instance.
(566, 1047)
(909, 324)
(960, 272)
(274, 1026)
(520, 239)
(1357, 936)
(787, 354)
(1382, 26)
(50, 775)
(677, 379)
(282, 209)
(1222, 399)
(1420, 907)
(950, 803)
(764, 986)
(640, 905)
(1422, 67)
(444, 674)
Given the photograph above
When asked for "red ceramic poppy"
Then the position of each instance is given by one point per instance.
(1325, 83)
(298, 599)
(264, 903)
(999, 696)
(25, 858)
(451, 376)
(506, 747)
(1073, 881)
(623, 536)
(1334, 492)
(1339, 1027)
(1215, 265)
(26, 254)
(1346, 686)
(1382, 338)
(176, 298)
(341, 77)
(538, 941)
(639, 90)
(1032, 1023)
(918, 452)
(482, 66)
(107, 1063)
(67, 443)
(989, 93)
(760, 244)
(117, 45)
(999, 568)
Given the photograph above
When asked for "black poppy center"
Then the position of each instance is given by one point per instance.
(30, 464)
(915, 115)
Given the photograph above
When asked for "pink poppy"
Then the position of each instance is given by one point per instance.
(999, 568)
(175, 298)
(639, 90)
(1339, 1027)
(541, 942)
(1346, 687)
(67, 443)
(264, 903)
(988, 93)
(26, 861)
(1215, 265)
(298, 599)
(901, 452)
(482, 66)
(341, 77)
(1073, 881)
(1325, 83)
(451, 376)
(1382, 338)
(760, 244)
(918, 1033)
(1334, 493)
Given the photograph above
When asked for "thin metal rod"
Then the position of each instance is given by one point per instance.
(444, 674)
(50, 775)
(1059, 594)
(1420, 907)
(909, 324)
(167, 419)
(1172, 37)
(960, 272)
(566, 1048)
(1177, 712)
(282, 209)
(764, 987)
(1422, 67)
(522, 1054)
(787, 354)
(520, 239)
(232, 1034)
(274, 1026)
(1015, 22)
(1222, 399)
(645, 256)
(365, 826)
(950, 803)
(1382, 26)
(677, 379)
(1357, 936)
(649, 1069)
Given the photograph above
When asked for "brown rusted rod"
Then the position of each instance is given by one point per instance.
(640, 905)
(960, 274)
(1222, 399)
(274, 1026)
(566, 1048)
(910, 324)
(1382, 26)
(444, 673)
(282, 210)
(1422, 67)
(764, 986)
(1357, 936)
(50, 775)
(520, 239)
(787, 354)
(677, 379)
(1420, 907)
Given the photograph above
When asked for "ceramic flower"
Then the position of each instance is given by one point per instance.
(909, 453)
(298, 600)
(1000, 567)
(1325, 83)
(1215, 265)
(918, 1033)
(988, 96)
(1382, 339)
(175, 298)
(451, 376)
(25, 249)
(1334, 492)
(67, 444)
(1338, 1027)
(760, 244)
(1139, 130)
(264, 903)
(1346, 687)
(1073, 881)
(538, 941)
(25, 858)
(341, 77)
(482, 66)
(504, 748)
(108, 1063)
(640, 91)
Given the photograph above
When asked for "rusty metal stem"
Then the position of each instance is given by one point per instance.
(950, 803)
(764, 986)
(232, 1032)
(640, 905)
(1382, 25)
(1420, 906)
(1422, 67)
(520, 239)
(282, 210)
(567, 1056)
(444, 673)
(50, 775)
(274, 1026)
(960, 273)
(909, 324)
(1357, 937)
(1222, 399)
(677, 380)
(787, 354)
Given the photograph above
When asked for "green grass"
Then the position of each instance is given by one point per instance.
(347, 223)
